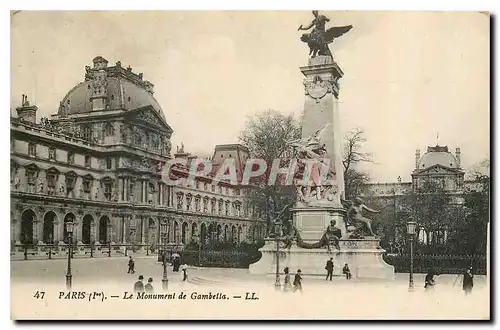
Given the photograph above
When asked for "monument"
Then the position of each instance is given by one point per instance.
(324, 224)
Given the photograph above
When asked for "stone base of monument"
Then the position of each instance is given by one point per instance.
(364, 257)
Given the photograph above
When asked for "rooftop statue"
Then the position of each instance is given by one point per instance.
(319, 38)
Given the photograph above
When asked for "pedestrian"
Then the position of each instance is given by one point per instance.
(297, 282)
(149, 286)
(287, 286)
(176, 263)
(468, 281)
(429, 281)
(329, 269)
(139, 286)
(347, 272)
(131, 266)
(184, 273)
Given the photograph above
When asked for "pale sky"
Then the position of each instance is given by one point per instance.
(408, 75)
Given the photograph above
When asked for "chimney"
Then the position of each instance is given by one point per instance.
(99, 84)
(417, 157)
(27, 112)
(399, 179)
(457, 156)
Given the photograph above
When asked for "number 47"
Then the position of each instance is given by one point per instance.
(39, 295)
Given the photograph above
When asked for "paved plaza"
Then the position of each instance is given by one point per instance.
(339, 299)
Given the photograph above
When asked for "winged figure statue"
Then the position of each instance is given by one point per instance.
(319, 38)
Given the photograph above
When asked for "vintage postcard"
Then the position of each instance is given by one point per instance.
(265, 165)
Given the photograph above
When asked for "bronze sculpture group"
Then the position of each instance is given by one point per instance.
(319, 38)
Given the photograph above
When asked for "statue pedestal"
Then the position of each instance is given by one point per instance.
(364, 257)
(312, 222)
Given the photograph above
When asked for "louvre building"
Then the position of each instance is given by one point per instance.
(96, 162)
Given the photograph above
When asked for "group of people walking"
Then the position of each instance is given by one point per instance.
(139, 286)
(297, 281)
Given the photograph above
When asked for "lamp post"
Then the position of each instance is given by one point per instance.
(410, 229)
(109, 245)
(92, 244)
(50, 246)
(164, 280)
(277, 233)
(69, 230)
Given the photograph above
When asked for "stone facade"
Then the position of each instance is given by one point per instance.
(438, 165)
(98, 162)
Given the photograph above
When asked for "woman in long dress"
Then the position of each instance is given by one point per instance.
(288, 285)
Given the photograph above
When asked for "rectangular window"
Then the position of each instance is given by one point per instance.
(86, 186)
(52, 153)
(51, 184)
(32, 149)
(87, 161)
(109, 163)
(107, 191)
(30, 177)
(213, 188)
(197, 184)
(71, 158)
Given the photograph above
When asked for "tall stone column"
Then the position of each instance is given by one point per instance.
(36, 231)
(321, 113)
(93, 236)
(160, 193)
(143, 233)
(78, 190)
(124, 227)
(126, 192)
(121, 196)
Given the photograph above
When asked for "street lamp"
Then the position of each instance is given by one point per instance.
(109, 245)
(410, 229)
(164, 280)
(197, 237)
(277, 234)
(69, 230)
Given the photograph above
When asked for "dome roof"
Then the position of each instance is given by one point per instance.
(437, 156)
(125, 90)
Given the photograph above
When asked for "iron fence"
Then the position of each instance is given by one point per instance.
(58, 251)
(440, 263)
(225, 258)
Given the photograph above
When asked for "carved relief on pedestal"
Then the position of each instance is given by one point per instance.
(317, 88)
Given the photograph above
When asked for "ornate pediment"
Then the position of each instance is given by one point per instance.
(150, 117)
(436, 169)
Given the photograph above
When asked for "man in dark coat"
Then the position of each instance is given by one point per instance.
(139, 286)
(149, 286)
(468, 281)
(176, 263)
(347, 272)
(297, 282)
(329, 269)
(429, 281)
(131, 266)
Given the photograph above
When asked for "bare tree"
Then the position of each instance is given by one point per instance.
(266, 135)
(354, 179)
